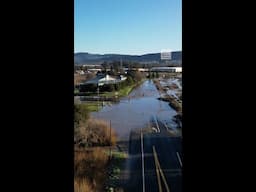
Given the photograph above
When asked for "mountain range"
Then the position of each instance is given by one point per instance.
(88, 58)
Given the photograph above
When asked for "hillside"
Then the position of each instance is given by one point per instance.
(87, 58)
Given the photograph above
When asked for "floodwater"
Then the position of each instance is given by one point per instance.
(136, 110)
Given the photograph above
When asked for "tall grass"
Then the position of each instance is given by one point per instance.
(82, 185)
(91, 159)
(89, 169)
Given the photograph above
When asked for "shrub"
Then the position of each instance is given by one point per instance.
(81, 115)
(100, 132)
(94, 132)
(129, 80)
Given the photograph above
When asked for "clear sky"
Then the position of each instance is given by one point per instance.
(127, 26)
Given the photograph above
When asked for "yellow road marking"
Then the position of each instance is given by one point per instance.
(159, 169)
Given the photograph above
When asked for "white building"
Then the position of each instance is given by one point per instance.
(178, 69)
(167, 69)
(106, 79)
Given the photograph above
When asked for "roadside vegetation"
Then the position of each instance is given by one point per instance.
(90, 132)
(92, 140)
(90, 169)
(92, 106)
(115, 168)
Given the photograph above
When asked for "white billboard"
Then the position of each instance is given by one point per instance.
(166, 54)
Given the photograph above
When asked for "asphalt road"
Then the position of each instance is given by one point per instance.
(135, 181)
(155, 162)
(168, 150)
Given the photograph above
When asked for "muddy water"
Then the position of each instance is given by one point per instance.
(135, 110)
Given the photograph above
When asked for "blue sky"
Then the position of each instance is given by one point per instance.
(127, 26)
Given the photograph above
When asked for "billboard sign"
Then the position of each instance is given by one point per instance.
(166, 54)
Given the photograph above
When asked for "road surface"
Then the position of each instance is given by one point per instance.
(155, 162)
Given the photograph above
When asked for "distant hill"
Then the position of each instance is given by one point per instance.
(177, 55)
(88, 58)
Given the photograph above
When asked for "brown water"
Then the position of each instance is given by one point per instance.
(136, 110)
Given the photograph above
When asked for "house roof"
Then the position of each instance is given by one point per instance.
(104, 79)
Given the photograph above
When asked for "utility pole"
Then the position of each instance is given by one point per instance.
(98, 90)
(110, 143)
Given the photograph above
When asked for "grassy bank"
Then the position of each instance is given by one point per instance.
(122, 92)
(125, 91)
(92, 106)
